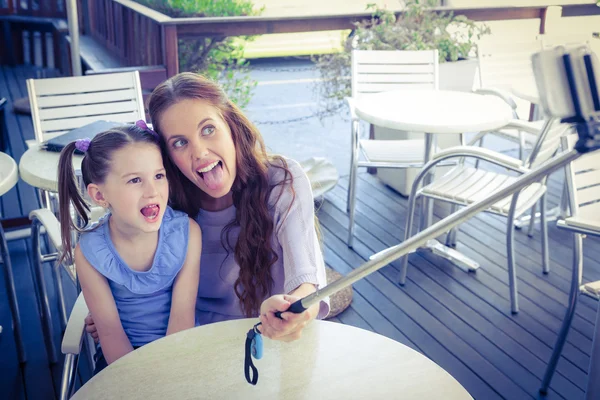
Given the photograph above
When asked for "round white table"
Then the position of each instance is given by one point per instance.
(39, 168)
(330, 361)
(9, 175)
(435, 112)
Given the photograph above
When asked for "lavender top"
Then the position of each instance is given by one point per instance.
(294, 239)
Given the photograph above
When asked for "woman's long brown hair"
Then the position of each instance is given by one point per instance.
(251, 189)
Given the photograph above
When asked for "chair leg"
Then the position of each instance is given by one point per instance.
(451, 237)
(532, 220)
(351, 202)
(521, 146)
(12, 297)
(571, 305)
(544, 229)
(510, 256)
(353, 155)
(410, 216)
(41, 292)
(62, 306)
(67, 381)
(593, 386)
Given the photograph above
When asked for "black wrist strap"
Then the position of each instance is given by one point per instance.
(249, 368)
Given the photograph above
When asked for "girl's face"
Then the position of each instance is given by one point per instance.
(136, 188)
(199, 142)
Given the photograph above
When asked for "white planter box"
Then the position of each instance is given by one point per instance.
(459, 76)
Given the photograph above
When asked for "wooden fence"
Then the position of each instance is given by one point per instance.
(139, 36)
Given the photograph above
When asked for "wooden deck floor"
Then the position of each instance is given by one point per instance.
(461, 321)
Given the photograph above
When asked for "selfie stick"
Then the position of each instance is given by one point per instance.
(446, 224)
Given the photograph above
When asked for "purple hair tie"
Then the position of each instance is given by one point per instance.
(82, 144)
(142, 125)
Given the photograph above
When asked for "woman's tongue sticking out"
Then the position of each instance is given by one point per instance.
(213, 178)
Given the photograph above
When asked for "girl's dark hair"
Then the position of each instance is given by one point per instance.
(95, 166)
(251, 189)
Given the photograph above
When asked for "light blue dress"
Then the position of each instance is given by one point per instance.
(143, 299)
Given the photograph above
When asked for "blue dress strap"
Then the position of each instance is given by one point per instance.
(99, 250)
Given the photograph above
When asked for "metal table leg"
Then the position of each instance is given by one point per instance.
(12, 296)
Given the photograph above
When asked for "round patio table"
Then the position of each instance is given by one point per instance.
(39, 167)
(329, 361)
(435, 112)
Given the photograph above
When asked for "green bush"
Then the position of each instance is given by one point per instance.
(418, 27)
(219, 58)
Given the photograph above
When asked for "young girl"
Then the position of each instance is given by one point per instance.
(139, 266)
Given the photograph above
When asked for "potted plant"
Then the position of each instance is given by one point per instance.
(418, 27)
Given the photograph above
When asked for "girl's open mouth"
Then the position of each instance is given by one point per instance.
(151, 212)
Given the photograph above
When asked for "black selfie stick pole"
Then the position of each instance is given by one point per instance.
(446, 224)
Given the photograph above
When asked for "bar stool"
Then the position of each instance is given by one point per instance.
(8, 179)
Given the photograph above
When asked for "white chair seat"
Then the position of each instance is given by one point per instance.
(394, 151)
(592, 289)
(466, 185)
(583, 222)
(9, 175)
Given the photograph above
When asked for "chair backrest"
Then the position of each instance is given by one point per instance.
(547, 144)
(376, 71)
(506, 64)
(61, 104)
(583, 182)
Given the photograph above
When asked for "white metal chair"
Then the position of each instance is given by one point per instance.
(466, 184)
(502, 67)
(59, 105)
(380, 71)
(74, 333)
(583, 189)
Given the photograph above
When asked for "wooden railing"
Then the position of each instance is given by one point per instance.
(34, 8)
(140, 36)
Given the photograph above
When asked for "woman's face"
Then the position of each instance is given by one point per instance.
(199, 142)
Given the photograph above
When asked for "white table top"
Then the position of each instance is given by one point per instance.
(9, 176)
(434, 111)
(330, 361)
(39, 168)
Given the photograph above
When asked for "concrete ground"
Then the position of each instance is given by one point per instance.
(285, 109)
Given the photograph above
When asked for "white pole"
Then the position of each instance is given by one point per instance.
(73, 22)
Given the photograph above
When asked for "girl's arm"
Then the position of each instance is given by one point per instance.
(185, 289)
(101, 303)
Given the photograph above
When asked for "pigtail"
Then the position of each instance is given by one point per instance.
(68, 193)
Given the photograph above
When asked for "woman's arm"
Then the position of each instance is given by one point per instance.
(185, 289)
(101, 303)
(303, 264)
